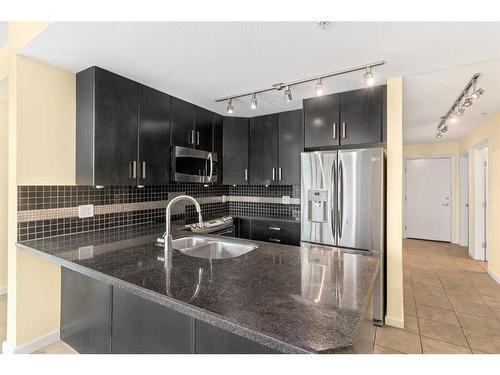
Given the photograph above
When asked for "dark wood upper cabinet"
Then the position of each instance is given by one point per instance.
(154, 137)
(322, 121)
(203, 129)
(361, 116)
(290, 145)
(106, 128)
(182, 126)
(235, 150)
(217, 147)
(263, 150)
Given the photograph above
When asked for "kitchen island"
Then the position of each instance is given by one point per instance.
(117, 296)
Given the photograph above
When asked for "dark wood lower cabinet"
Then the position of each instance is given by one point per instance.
(141, 326)
(213, 340)
(85, 313)
(97, 318)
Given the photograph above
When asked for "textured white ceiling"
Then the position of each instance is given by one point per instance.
(428, 96)
(201, 61)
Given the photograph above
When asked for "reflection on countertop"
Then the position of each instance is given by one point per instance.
(295, 299)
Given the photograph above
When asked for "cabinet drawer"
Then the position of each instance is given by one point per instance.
(283, 232)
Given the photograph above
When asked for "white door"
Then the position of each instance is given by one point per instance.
(428, 199)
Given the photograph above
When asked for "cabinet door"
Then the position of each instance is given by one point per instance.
(235, 151)
(182, 126)
(290, 145)
(277, 231)
(203, 126)
(263, 150)
(141, 326)
(361, 116)
(115, 124)
(213, 340)
(85, 313)
(154, 137)
(244, 228)
(321, 121)
(217, 146)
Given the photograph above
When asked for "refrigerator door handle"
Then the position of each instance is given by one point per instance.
(332, 208)
(341, 198)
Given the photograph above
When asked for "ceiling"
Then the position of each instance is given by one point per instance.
(429, 96)
(201, 61)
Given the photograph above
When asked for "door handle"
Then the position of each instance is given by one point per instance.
(274, 240)
(143, 171)
(279, 173)
(274, 174)
(444, 204)
(333, 214)
(211, 166)
(341, 198)
(334, 130)
(343, 130)
(134, 169)
(197, 137)
(246, 174)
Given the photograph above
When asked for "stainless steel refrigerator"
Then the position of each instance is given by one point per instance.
(342, 205)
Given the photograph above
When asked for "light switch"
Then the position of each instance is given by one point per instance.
(86, 211)
(85, 252)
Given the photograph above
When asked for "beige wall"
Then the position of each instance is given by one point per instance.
(442, 149)
(395, 313)
(4, 123)
(490, 131)
(41, 151)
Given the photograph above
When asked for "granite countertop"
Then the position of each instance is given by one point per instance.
(307, 299)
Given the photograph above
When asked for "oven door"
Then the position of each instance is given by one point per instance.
(190, 165)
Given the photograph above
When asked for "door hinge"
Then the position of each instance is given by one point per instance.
(484, 204)
(483, 245)
(406, 227)
(485, 163)
(405, 199)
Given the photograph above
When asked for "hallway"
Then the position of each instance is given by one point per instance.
(451, 304)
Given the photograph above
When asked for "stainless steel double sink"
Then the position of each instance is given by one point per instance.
(212, 248)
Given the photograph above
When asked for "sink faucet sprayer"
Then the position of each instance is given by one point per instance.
(167, 236)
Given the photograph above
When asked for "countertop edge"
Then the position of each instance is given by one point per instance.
(180, 306)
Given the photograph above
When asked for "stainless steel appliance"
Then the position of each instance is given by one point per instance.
(190, 165)
(343, 205)
(223, 226)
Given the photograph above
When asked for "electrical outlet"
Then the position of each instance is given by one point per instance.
(285, 199)
(86, 211)
(85, 252)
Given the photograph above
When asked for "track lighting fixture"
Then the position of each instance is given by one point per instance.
(369, 77)
(253, 102)
(319, 88)
(288, 94)
(230, 108)
(464, 100)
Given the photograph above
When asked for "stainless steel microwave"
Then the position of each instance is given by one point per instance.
(190, 165)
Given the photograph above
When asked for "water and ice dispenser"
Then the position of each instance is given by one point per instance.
(317, 205)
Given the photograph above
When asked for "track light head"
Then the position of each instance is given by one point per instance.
(230, 109)
(253, 102)
(439, 135)
(460, 111)
(467, 102)
(453, 119)
(477, 93)
(319, 88)
(288, 94)
(369, 77)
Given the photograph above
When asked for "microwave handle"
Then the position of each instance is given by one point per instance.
(211, 166)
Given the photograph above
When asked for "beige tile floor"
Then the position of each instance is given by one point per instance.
(451, 303)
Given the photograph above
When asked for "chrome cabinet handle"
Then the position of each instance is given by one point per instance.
(274, 228)
(334, 131)
(134, 169)
(279, 173)
(197, 138)
(274, 174)
(274, 240)
(343, 130)
(246, 174)
(143, 171)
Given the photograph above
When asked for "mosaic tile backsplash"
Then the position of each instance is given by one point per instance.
(47, 211)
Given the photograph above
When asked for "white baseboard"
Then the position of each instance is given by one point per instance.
(398, 323)
(3, 291)
(31, 346)
(494, 276)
